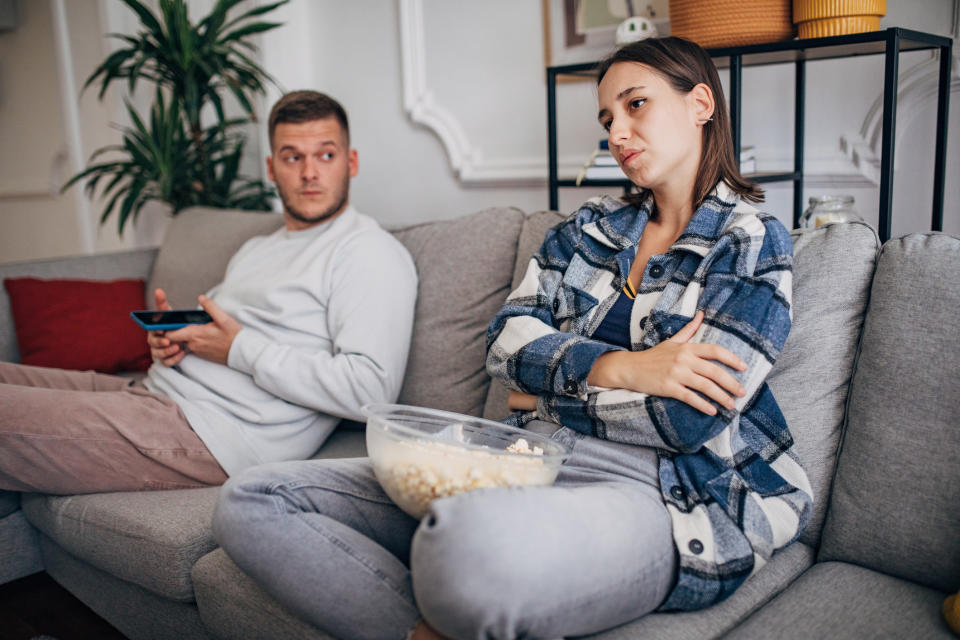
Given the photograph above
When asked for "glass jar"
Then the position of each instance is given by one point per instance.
(828, 209)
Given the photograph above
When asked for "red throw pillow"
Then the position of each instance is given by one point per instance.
(79, 324)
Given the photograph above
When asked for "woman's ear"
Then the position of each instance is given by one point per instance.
(701, 103)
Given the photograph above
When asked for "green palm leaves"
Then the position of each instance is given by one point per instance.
(172, 156)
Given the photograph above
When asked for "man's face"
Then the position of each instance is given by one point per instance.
(311, 166)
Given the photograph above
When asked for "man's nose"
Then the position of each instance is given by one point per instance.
(311, 169)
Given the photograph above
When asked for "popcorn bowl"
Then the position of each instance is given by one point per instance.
(421, 454)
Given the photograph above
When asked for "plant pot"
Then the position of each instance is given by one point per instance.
(731, 23)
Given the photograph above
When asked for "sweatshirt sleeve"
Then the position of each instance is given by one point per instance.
(372, 297)
(746, 297)
(527, 348)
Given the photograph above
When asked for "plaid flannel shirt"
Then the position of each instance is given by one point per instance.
(732, 484)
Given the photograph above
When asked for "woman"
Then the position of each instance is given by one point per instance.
(646, 329)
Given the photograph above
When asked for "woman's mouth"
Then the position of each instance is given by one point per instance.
(629, 154)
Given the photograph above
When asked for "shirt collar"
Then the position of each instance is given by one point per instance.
(621, 225)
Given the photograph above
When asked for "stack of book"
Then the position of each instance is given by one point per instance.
(601, 166)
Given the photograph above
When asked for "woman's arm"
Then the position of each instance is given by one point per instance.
(746, 294)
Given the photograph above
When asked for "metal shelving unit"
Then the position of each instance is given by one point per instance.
(889, 43)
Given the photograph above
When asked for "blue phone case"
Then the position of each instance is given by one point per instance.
(202, 317)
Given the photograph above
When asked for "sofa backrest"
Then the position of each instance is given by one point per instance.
(896, 496)
(833, 266)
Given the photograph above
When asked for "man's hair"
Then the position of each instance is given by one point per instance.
(685, 64)
(306, 106)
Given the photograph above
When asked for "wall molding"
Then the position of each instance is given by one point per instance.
(467, 159)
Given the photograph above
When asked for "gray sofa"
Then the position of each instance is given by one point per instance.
(869, 381)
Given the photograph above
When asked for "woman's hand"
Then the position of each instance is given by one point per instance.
(521, 401)
(675, 368)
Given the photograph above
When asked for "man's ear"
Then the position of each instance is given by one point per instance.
(270, 169)
(353, 161)
(702, 102)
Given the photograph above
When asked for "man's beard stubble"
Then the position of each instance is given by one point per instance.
(331, 211)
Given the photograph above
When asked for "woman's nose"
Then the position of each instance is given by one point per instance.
(619, 130)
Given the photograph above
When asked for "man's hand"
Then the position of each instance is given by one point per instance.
(162, 349)
(675, 368)
(210, 341)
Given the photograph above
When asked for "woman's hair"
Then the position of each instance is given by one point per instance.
(685, 64)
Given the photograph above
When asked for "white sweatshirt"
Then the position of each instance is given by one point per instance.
(327, 315)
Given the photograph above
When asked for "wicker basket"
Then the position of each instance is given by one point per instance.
(822, 18)
(731, 23)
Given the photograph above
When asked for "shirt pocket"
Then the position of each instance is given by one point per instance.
(570, 305)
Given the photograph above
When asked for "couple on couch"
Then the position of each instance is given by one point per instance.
(641, 337)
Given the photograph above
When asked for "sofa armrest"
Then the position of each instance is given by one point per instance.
(106, 266)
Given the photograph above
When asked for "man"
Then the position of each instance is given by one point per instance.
(303, 334)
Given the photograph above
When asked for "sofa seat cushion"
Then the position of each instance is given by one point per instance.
(19, 551)
(150, 538)
(464, 267)
(714, 621)
(840, 600)
(896, 499)
(234, 607)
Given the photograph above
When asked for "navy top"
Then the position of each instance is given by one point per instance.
(615, 328)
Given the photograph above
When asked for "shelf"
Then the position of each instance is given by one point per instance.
(889, 43)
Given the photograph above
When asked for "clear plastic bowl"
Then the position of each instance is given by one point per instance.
(421, 454)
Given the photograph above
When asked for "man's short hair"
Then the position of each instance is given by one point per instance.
(306, 106)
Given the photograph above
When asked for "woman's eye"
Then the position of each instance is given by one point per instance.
(605, 125)
(636, 103)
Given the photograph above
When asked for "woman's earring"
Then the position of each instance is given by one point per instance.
(706, 120)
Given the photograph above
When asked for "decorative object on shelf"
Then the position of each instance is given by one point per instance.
(828, 209)
(586, 30)
(187, 151)
(601, 165)
(731, 23)
(634, 29)
(823, 18)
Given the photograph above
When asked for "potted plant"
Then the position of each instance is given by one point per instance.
(173, 155)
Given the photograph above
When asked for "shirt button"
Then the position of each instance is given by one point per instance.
(696, 546)
(571, 387)
(643, 322)
(677, 492)
(556, 305)
(656, 271)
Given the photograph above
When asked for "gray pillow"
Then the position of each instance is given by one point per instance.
(832, 268)
(896, 498)
(198, 245)
(534, 230)
(464, 267)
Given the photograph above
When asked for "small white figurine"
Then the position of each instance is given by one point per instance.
(635, 28)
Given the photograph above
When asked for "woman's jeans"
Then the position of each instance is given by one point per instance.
(591, 552)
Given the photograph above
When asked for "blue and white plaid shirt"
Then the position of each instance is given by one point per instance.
(733, 485)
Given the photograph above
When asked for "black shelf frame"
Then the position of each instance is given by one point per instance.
(889, 42)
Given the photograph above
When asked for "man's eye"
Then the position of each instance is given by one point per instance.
(327, 156)
(291, 159)
(636, 103)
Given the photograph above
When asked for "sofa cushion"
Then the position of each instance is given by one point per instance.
(534, 230)
(234, 607)
(896, 497)
(714, 621)
(464, 267)
(150, 538)
(9, 502)
(839, 600)
(832, 269)
(19, 551)
(188, 264)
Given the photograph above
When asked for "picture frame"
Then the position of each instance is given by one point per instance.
(576, 31)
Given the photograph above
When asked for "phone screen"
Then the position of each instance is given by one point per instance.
(179, 317)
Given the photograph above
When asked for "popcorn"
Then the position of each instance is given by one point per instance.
(414, 473)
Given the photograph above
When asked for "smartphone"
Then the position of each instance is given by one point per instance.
(166, 320)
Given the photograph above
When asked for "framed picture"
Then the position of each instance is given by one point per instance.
(585, 30)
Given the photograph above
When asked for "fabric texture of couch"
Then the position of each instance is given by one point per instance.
(869, 381)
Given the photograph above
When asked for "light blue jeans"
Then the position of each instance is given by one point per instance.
(591, 552)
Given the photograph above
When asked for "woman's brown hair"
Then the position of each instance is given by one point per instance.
(685, 65)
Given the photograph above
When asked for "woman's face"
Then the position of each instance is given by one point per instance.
(653, 129)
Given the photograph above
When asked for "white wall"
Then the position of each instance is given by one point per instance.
(447, 107)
